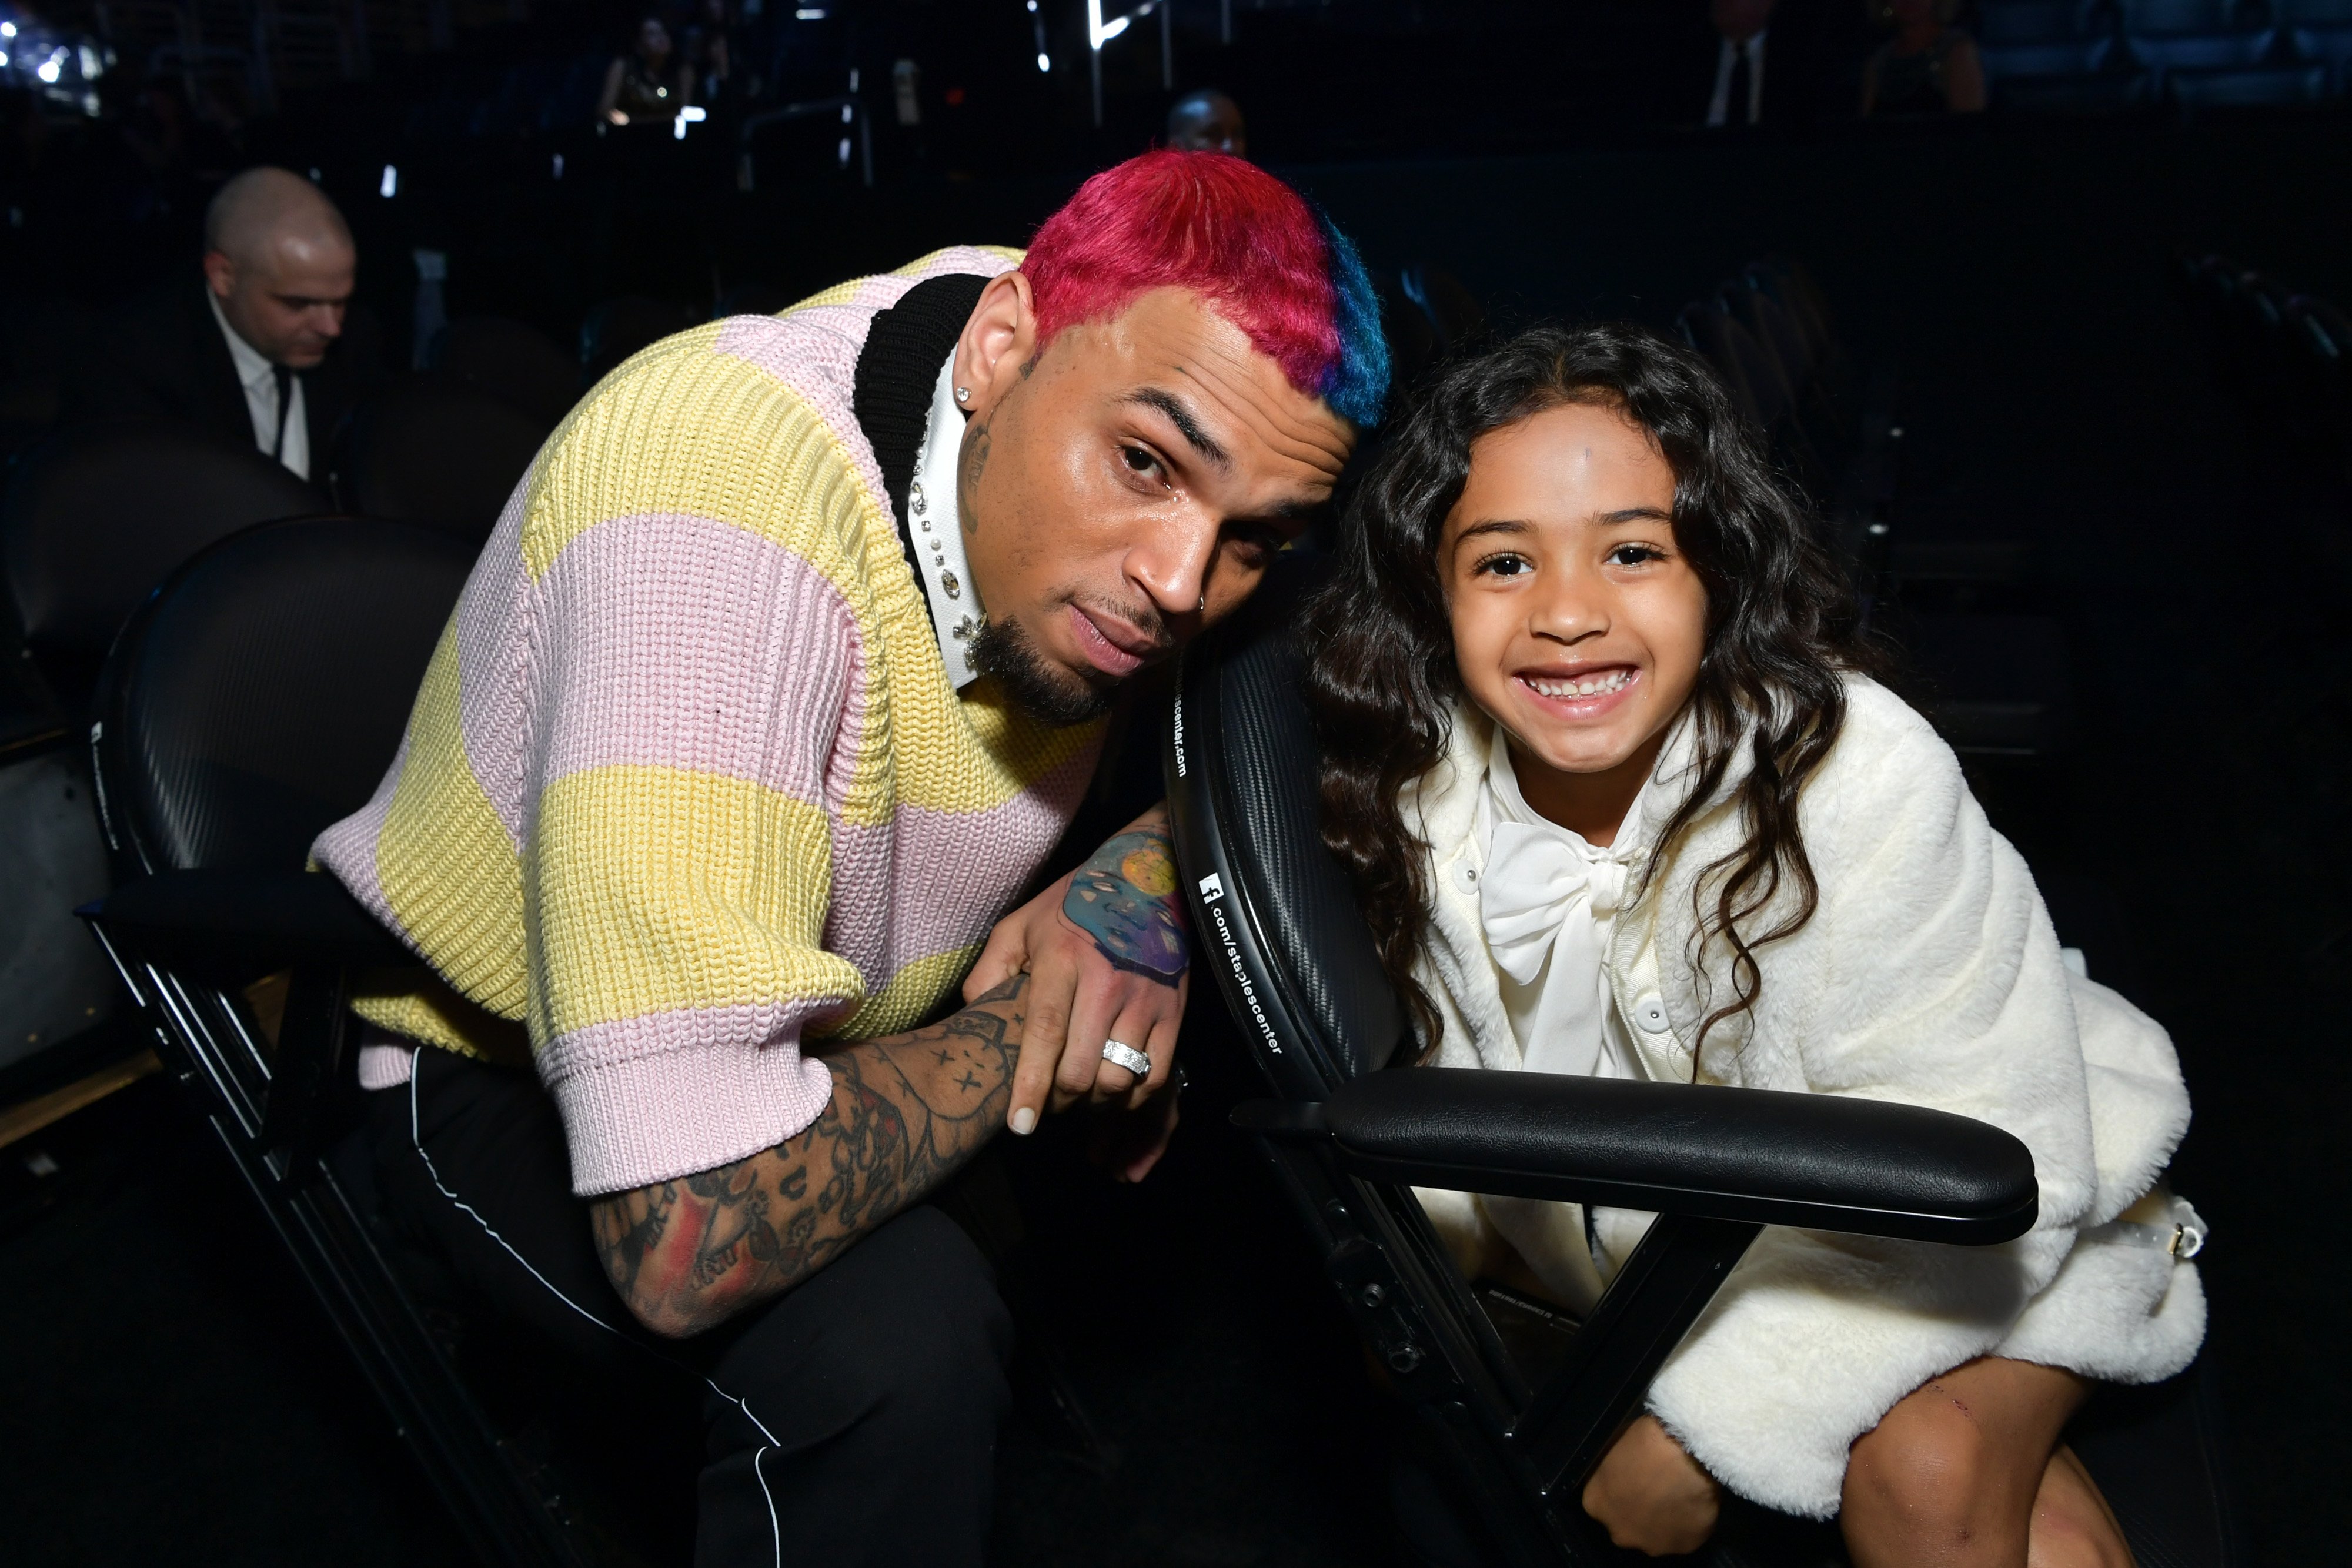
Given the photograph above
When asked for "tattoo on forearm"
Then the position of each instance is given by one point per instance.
(905, 1113)
(1125, 898)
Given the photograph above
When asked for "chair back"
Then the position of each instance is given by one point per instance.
(511, 360)
(438, 452)
(94, 519)
(1277, 912)
(262, 693)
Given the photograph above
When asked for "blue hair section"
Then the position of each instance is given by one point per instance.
(1357, 384)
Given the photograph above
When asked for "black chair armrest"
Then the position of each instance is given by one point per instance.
(1822, 1162)
(266, 919)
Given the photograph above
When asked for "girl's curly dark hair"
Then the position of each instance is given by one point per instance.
(1381, 677)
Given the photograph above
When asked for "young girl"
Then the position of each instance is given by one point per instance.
(1619, 801)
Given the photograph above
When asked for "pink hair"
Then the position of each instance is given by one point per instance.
(1216, 225)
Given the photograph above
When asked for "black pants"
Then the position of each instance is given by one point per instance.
(851, 1421)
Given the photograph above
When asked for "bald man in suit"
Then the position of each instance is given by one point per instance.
(264, 349)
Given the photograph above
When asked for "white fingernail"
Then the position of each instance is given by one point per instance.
(1024, 1121)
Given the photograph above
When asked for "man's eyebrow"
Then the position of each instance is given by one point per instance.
(1187, 425)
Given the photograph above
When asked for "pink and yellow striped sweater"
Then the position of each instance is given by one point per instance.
(688, 783)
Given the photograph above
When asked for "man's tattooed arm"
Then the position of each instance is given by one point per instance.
(906, 1111)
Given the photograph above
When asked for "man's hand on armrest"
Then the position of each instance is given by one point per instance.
(906, 1111)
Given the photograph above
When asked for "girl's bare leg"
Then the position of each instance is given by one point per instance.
(1966, 1472)
(2073, 1525)
(1650, 1495)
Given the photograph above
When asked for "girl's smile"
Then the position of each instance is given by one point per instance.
(1578, 691)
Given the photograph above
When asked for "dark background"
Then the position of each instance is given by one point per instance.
(172, 1392)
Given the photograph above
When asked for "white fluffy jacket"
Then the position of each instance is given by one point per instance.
(1928, 974)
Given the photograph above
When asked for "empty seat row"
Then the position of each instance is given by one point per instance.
(1995, 683)
(2058, 55)
(2005, 22)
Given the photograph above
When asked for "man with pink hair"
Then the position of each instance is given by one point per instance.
(778, 680)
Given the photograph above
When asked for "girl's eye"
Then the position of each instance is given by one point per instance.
(1502, 566)
(1636, 555)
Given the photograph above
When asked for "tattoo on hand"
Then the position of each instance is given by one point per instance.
(685, 1254)
(1125, 898)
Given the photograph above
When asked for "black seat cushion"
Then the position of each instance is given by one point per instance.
(434, 450)
(262, 693)
(96, 517)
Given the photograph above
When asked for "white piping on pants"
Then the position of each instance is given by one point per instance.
(417, 1142)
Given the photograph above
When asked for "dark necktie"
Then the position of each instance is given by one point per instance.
(1735, 106)
(285, 404)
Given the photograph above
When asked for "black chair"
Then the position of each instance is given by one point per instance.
(2323, 377)
(2289, 85)
(1755, 380)
(1520, 1407)
(512, 361)
(95, 518)
(254, 699)
(619, 328)
(55, 989)
(1427, 314)
(2116, 88)
(432, 450)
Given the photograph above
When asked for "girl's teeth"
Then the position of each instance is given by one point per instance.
(1616, 680)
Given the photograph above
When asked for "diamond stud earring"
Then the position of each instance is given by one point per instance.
(963, 394)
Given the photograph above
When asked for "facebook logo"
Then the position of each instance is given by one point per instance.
(1211, 889)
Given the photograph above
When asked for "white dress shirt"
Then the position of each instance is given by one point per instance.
(936, 525)
(1719, 110)
(259, 378)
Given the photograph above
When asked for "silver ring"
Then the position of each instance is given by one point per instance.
(1120, 1054)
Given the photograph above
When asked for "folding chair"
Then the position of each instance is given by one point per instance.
(251, 702)
(1522, 1418)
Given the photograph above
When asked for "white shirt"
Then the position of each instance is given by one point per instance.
(1546, 902)
(936, 525)
(259, 378)
(1719, 110)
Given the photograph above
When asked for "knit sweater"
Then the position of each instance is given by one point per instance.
(688, 783)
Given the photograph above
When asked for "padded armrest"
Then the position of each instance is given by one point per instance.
(274, 919)
(1822, 1162)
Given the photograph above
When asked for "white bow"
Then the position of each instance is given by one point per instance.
(1534, 881)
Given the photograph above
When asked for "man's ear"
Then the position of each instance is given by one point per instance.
(998, 339)
(220, 274)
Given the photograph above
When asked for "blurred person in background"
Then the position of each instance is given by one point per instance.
(710, 53)
(1740, 79)
(1928, 66)
(651, 82)
(1208, 122)
(265, 351)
